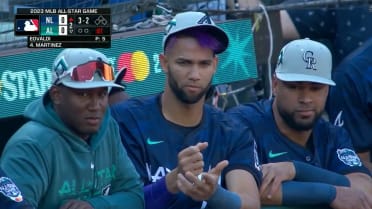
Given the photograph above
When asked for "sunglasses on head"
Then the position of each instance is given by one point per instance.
(86, 71)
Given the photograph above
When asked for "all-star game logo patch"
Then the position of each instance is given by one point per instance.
(10, 190)
(348, 157)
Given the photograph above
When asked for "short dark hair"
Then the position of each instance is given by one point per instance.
(204, 38)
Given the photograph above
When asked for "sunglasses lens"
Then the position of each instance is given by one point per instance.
(107, 72)
(85, 72)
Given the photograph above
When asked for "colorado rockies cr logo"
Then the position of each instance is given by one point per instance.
(310, 60)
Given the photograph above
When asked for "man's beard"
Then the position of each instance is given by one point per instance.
(289, 119)
(181, 94)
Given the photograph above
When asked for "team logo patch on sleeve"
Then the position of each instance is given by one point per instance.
(256, 160)
(10, 190)
(348, 157)
(106, 190)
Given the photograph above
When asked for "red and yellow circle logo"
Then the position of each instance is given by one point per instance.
(137, 64)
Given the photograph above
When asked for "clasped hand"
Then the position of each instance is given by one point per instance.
(190, 166)
(273, 176)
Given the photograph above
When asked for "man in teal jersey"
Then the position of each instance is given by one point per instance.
(69, 155)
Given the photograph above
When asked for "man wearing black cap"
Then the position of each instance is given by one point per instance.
(189, 154)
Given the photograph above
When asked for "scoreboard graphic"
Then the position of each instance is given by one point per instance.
(64, 28)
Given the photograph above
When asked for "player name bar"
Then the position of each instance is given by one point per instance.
(68, 38)
(105, 44)
(69, 42)
(33, 11)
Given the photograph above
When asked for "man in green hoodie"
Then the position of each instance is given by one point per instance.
(69, 155)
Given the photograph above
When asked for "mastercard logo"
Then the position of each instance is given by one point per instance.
(137, 64)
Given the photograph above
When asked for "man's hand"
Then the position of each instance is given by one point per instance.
(273, 176)
(190, 159)
(76, 204)
(365, 157)
(349, 198)
(203, 188)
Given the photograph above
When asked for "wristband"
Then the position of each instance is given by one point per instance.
(222, 199)
(157, 195)
(307, 193)
(310, 173)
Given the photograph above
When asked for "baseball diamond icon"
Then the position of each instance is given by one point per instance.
(100, 20)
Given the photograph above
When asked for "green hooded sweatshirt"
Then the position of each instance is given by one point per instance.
(51, 164)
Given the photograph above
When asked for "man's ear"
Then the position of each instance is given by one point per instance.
(274, 84)
(55, 94)
(215, 62)
(163, 62)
